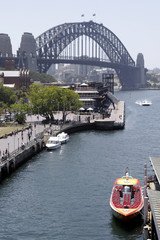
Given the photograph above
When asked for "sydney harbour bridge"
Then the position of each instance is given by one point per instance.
(86, 43)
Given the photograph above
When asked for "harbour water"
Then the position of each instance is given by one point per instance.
(64, 194)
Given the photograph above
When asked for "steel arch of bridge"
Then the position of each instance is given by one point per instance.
(51, 43)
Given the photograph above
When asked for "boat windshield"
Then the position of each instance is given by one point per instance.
(127, 189)
(52, 142)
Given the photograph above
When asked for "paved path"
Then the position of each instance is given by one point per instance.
(15, 141)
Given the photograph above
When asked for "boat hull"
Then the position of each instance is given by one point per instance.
(64, 140)
(126, 218)
(53, 147)
(146, 104)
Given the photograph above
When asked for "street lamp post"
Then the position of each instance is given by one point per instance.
(18, 143)
(8, 148)
(31, 114)
(38, 115)
(58, 111)
(14, 142)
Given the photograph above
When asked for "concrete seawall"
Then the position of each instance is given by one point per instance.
(20, 156)
(115, 121)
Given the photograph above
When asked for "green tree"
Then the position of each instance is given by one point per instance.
(42, 77)
(20, 118)
(3, 106)
(21, 93)
(45, 101)
(7, 95)
(20, 107)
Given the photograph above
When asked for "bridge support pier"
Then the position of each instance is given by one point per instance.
(132, 78)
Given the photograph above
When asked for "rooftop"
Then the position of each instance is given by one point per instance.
(11, 73)
(9, 85)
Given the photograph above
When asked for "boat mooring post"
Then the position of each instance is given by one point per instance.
(145, 209)
(145, 186)
(145, 180)
(145, 233)
(145, 169)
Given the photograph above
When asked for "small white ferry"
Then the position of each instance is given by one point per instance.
(63, 137)
(53, 143)
(144, 103)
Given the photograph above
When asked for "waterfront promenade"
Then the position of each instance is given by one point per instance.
(11, 143)
(15, 141)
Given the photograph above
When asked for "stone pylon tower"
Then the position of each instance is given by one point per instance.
(27, 52)
(142, 70)
(5, 45)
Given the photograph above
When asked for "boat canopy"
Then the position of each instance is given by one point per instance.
(122, 181)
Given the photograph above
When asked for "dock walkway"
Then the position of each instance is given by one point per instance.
(152, 209)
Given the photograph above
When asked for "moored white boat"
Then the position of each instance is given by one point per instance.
(126, 199)
(63, 137)
(53, 143)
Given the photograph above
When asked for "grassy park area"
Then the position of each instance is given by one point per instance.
(10, 128)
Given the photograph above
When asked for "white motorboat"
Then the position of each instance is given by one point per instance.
(53, 143)
(63, 137)
(144, 103)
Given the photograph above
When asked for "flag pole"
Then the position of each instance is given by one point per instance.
(94, 16)
(82, 15)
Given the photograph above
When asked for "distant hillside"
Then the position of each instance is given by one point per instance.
(155, 70)
(153, 78)
(42, 77)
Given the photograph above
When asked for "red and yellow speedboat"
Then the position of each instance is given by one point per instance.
(127, 198)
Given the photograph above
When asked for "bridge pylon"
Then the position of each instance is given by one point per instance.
(27, 52)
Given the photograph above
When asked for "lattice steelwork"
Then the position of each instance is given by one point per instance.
(82, 40)
(84, 47)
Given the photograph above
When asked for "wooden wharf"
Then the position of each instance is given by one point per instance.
(152, 203)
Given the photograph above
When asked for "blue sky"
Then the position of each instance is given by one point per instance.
(135, 22)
